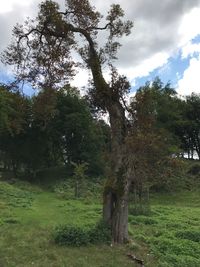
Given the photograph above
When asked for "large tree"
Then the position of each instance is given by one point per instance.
(42, 50)
(14, 122)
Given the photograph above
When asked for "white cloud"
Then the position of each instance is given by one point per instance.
(146, 66)
(81, 80)
(8, 6)
(189, 27)
(160, 28)
(190, 81)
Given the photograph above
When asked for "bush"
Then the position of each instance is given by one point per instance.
(194, 169)
(76, 236)
(71, 236)
(64, 190)
(100, 233)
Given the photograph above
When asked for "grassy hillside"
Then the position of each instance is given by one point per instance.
(28, 218)
(168, 237)
(172, 231)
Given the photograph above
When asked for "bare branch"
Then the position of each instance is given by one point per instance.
(102, 28)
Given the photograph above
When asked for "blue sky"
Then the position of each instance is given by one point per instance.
(169, 72)
(165, 41)
(173, 70)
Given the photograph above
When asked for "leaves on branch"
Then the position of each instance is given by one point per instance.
(42, 49)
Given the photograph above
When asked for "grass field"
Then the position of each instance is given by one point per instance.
(168, 237)
(28, 216)
(172, 231)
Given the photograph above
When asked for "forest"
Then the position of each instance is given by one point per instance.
(100, 179)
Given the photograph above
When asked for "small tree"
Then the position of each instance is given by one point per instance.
(79, 176)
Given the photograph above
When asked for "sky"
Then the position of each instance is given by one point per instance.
(165, 40)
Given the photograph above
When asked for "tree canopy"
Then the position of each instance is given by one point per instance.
(42, 48)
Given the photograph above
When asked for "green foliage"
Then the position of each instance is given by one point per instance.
(15, 197)
(139, 202)
(64, 189)
(166, 237)
(142, 220)
(79, 177)
(71, 236)
(89, 189)
(100, 233)
(171, 231)
(51, 129)
(11, 220)
(194, 169)
(76, 236)
(59, 66)
(190, 235)
(80, 170)
(152, 146)
(20, 226)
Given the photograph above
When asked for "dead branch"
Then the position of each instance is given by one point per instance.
(134, 258)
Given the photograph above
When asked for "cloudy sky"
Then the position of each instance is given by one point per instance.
(165, 40)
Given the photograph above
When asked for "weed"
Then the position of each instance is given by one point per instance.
(11, 220)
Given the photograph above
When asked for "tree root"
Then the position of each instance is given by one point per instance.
(134, 258)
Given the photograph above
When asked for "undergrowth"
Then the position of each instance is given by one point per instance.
(77, 236)
(16, 197)
(171, 231)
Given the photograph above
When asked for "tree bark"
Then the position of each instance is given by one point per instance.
(115, 213)
(119, 226)
(115, 204)
(115, 210)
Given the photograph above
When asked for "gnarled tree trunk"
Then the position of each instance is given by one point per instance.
(115, 208)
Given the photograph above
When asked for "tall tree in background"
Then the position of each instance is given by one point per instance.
(42, 52)
(192, 124)
(14, 121)
(50, 129)
(153, 141)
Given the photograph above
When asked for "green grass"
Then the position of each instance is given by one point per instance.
(172, 232)
(28, 217)
(168, 237)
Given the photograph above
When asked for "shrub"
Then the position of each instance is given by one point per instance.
(71, 236)
(194, 169)
(63, 189)
(76, 236)
(11, 220)
(100, 233)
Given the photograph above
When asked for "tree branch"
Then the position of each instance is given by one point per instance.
(102, 28)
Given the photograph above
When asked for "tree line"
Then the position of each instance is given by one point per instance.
(60, 128)
(54, 128)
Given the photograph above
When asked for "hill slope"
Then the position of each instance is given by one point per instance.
(168, 237)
